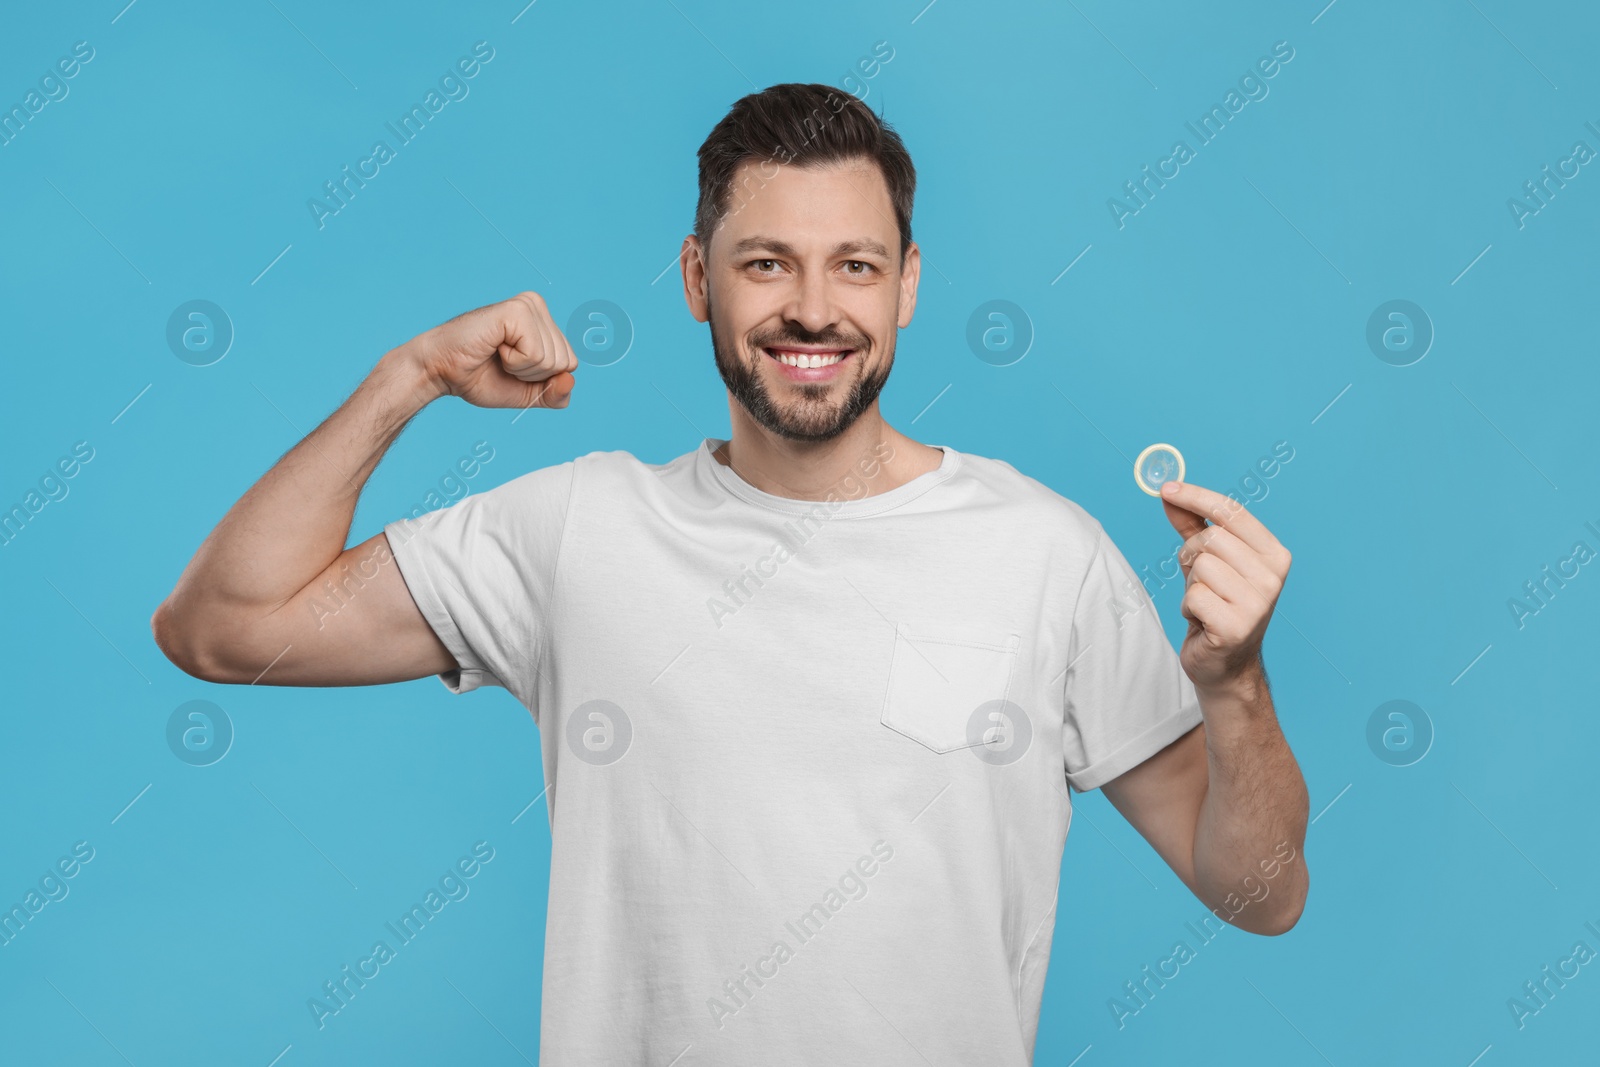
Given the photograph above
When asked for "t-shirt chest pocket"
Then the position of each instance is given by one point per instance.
(940, 675)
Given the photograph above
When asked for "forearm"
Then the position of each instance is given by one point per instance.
(1249, 860)
(295, 520)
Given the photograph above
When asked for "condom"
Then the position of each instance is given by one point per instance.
(1157, 465)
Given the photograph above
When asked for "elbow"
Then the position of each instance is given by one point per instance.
(1283, 921)
(179, 640)
(1291, 905)
(1274, 912)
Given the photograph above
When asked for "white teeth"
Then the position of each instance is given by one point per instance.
(793, 360)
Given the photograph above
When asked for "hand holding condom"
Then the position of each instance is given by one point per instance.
(1233, 567)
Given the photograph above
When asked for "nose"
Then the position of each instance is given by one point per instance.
(811, 303)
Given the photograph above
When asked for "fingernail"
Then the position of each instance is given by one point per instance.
(1169, 487)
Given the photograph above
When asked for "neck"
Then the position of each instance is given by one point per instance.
(870, 454)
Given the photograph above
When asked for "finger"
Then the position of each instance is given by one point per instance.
(555, 353)
(519, 344)
(1201, 604)
(530, 349)
(1190, 526)
(543, 349)
(569, 358)
(1187, 523)
(1223, 511)
(492, 387)
(1225, 544)
(555, 391)
(552, 343)
(1234, 589)
(560, 354)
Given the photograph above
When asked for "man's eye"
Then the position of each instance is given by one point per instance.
(757, 264)
(858, 263)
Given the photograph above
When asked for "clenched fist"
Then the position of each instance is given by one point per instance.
(505, 355)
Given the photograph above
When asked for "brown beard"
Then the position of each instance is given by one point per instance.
(806, 421)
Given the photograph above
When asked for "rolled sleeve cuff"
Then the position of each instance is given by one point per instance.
(470, 672)
(1136, 751)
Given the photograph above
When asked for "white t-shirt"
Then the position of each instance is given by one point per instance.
(808, 761)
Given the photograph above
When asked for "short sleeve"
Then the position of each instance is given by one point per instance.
(1127, 696)
(482, 572)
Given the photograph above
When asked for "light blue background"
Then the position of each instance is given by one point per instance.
(1228, 314)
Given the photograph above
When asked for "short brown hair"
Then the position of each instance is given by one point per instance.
(800, 124)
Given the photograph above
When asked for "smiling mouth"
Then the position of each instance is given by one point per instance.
(809, 359)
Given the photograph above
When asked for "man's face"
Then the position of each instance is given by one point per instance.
(805, 292)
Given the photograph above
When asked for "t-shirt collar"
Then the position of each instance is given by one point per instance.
(842, 505)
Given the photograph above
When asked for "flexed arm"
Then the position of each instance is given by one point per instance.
(250, 605)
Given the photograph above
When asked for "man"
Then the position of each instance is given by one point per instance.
(810, 698)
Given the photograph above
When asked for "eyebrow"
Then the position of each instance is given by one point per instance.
(759, 243)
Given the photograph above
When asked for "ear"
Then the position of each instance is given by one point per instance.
(910, 274)
(692, 258)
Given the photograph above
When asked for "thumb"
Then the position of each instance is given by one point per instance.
(1186, 522)
(494, 388)
(553, 392)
